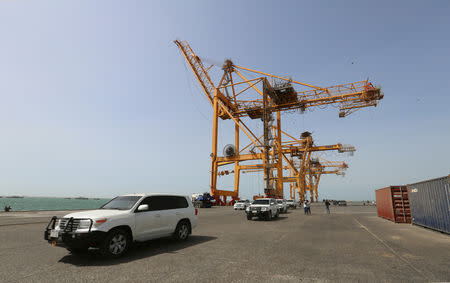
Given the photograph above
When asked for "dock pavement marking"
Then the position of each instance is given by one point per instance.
(392, 250)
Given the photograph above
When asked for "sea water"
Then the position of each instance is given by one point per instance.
(41, 203)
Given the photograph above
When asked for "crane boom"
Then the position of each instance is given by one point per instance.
(198, 69)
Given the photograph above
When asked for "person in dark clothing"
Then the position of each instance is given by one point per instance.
(327, 205)
(308, 208)
(7, 208)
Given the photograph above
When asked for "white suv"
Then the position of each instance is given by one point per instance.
(241, 204)
(123, 220)
(282, 205)
(263, 208)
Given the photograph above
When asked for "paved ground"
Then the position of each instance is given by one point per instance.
(351, 244)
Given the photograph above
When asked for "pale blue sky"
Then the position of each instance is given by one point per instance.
(96, 100)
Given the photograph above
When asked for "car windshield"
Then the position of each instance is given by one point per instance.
(279, 200)
(241, 201)
(121, 203)
(261, 201)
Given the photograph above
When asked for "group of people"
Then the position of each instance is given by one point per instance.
(307, 206)
(7, 208)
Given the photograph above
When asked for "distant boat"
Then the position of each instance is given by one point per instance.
(15, 197)
(96, 198)
(81, 198)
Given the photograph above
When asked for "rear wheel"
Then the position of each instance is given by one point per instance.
(182, 231)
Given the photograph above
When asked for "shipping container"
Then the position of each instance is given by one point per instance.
(430, 203)
(393, 204)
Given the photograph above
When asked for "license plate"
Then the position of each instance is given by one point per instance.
(255, 211)
(54, 234)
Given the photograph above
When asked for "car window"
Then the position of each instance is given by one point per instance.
(165, 202)
(180, 202)
(261, 201)
(121, 203)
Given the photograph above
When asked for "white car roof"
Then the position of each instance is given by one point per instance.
(153, 194)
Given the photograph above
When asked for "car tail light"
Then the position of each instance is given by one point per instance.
(196, 211)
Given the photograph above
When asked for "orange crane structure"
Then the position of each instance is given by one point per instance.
(317, 167)
(236, 97)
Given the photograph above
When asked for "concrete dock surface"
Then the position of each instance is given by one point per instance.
(351, 244)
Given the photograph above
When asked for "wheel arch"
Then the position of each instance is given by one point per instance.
(123, 227)
(188, 221)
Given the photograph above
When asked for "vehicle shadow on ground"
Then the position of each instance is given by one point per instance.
(136, 252)
(279, 218)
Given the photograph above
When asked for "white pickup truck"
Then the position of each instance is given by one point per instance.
(263, 208)
(116, 225)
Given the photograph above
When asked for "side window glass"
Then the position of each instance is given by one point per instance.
(156, 203)
(181, 202)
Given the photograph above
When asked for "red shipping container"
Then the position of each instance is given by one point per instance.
(393, 204)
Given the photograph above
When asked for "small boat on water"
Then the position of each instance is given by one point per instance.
(15, 197)
(82, 198)
(96, 198)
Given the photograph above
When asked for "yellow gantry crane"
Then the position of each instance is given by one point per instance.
(236, 97)
(310, 181)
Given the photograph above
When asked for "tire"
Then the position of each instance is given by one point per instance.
(269, 216)
(278, 214)
(182, 231)
(116, 243)
(249, 216)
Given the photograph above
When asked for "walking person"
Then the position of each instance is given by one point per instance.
(305, 207)
(327, 205)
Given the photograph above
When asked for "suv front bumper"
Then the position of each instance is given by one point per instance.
(258, 213)
(73, 239)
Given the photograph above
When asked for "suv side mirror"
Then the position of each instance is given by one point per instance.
(143, 207)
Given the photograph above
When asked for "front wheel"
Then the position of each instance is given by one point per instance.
(249, 216)
(116, 243)
(269, 216)
(182, 231)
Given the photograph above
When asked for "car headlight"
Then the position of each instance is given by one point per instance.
(84, 224)
(264, 209)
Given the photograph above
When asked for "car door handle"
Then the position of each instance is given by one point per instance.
(157, 215)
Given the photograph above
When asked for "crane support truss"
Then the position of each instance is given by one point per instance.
(235, 97)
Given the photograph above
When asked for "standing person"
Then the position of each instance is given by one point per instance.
(327, 205)
(305, 207)
(308, 207)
